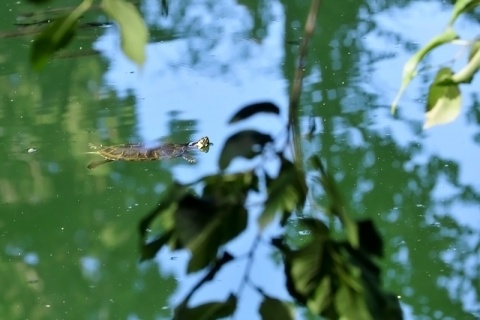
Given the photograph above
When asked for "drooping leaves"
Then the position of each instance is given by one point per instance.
(285, 194)
(444, 100)
(332, 278)
(250, 110)
(409, 69)
(201, 224)
(56, 36)
(246, 144)
(133, 30)
(274, 309)
(207, 311)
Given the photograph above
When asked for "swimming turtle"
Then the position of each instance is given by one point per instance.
(138, 152)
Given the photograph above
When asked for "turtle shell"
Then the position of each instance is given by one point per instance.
(140, 153)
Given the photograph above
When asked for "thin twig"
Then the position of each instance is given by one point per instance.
(293, 123)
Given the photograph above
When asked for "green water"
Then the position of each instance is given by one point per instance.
(68, 236)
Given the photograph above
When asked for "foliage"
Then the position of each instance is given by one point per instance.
(444, 101)
(335, 277)
(61, 30)
(332, 277)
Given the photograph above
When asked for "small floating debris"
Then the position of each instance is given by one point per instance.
(31, 150)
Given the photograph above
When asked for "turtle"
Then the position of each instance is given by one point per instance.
(138, 152)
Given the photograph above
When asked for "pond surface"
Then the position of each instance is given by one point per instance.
(68, 235)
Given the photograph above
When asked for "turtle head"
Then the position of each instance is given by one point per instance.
(203, 144)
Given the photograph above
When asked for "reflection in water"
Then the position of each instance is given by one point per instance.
(68, 237)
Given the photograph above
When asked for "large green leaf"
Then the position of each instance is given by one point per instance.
(133, 30)
(56, 36)
(246, 144)
(409, 69)
(207, 311)
(286, 193)
(444, 101)
(274, 309)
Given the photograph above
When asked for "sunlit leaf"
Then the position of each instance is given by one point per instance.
(56, 36)
(246, 144)
(462, 6)
(207, 311)
(274, 309)
(286, 193)
(409, 69)
(250, 110)
(444, 101)
(369, 238)
(133, 30)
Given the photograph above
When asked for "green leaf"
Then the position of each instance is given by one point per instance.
(409, 70)
(305, 268)
(460, 7)
(444, 101)
(133, 30)
(207, 311)
(247, 144)
(274, 309)
(56, 36)
(230, 188)
(286, 193)
(250, 110)
(192, 217)
(351, 305)
(167, 204)
(228, 224)
(369, 238)
(150, 249)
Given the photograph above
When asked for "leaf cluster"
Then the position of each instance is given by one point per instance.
(333, 278)
(59, 32)
(444, 98)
